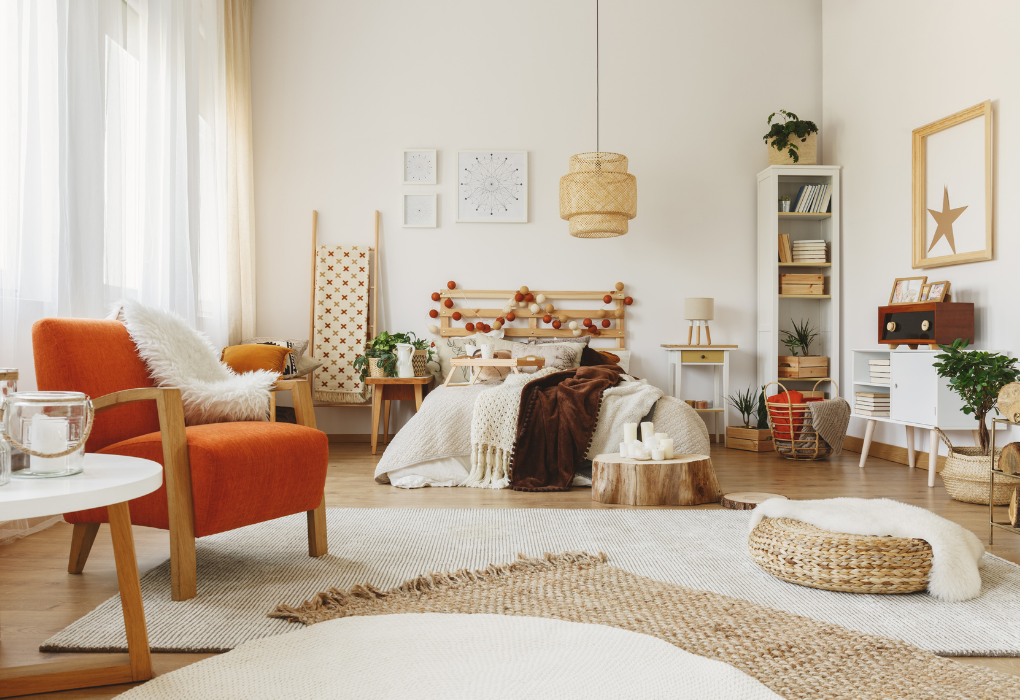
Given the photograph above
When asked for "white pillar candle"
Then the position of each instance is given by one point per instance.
(657, 454)
(652, 442)
(667, 447)
(48, 435)
(624, 451)
(630, 432)
(662, 436)
(647, 431)
(634, 449)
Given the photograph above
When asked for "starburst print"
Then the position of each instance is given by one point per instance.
(491, 184)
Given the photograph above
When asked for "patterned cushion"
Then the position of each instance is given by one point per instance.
(299, 364)
(559, 356)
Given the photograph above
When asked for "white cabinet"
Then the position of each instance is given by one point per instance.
(913, 389)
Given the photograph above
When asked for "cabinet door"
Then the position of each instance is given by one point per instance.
(914, 388)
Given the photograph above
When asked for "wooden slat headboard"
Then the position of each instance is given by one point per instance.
(528, 324)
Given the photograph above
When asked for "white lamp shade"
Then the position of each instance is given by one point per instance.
(699, 309)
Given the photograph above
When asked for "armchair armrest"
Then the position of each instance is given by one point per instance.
(301, 393)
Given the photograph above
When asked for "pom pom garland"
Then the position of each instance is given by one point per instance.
(573, 326)
(497, 325)
(435, 296)
(549, 308)
(535, 308)
(619, 286)
(469, 326)
(511, 316)
(605, 323)
(433, 329)
(529, 297)
(433, 313)
(556, 324)
(586, 322)
(577, 331)
(547, 319)
(628, 301)
(448, 303)
(524, 290)
(540, 298)
(601, 313)
(607, 298)
(518, 297)
(618, 313)
(451, 285)
(457, 316)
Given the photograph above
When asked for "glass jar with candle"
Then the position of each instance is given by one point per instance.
(51, 427)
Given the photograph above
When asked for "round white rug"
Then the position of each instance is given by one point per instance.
(454, 656)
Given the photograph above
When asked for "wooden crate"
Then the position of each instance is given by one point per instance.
(749, 439)
(791, 367)
(791, 283)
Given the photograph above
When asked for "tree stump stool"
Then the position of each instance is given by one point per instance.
(685, 480)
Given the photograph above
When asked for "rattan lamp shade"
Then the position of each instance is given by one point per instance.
(598, 197)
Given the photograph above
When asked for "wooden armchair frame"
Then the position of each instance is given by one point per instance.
(177, 469)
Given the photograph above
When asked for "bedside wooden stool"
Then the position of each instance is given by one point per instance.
(386, 389)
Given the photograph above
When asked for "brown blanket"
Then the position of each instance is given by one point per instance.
(554, 426)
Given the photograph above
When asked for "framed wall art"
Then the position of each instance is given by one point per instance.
(420, 210)
(420, 166)
(952, 189)
(492, 186)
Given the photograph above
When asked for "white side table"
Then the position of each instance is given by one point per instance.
(111, 481)
(715, 356)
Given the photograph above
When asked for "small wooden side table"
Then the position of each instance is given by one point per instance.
(685, 480)
(715, 356)
(386, 389)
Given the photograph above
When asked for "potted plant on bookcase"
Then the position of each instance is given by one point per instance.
(792, 142)
(756, 438)
(804, 366)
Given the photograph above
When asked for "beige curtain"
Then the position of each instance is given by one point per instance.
(240, 172)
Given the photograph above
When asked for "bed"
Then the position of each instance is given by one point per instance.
(468, 435)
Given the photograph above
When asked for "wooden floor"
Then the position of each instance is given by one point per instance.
(38, 597)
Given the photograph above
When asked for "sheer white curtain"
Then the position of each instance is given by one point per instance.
(112, 163)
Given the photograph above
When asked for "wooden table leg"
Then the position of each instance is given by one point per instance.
(130, 591)
(377, 392)
(418, 396)
(910, 446)
(386, 421)
(869, 432)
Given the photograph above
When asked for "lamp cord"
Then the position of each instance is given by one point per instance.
(596, 75)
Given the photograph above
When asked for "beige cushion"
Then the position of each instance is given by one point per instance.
(559, 356)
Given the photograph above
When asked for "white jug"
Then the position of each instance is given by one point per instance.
(404, 368)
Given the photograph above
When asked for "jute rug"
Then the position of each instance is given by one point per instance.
(792, 655)
(244, 574)
(454, 657)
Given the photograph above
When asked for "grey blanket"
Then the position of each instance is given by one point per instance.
(831, 418)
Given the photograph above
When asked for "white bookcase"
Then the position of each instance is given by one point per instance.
(776, 310)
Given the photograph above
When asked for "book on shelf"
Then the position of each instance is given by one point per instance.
(812, 199)
(884, 363)
(880, 373)
(785, 252)
(872, 394)
(873, 414)
(868, 403)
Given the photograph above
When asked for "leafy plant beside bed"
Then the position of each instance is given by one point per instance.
(976, 376)
(783, 137)
(800, 338)
(384, 348)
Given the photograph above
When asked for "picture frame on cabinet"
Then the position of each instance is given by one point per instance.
(937, 291)
(907, 290)
(420, 210)
(420, 166)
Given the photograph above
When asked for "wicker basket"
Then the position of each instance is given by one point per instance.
(419, 361)
(966, 475)
(374, 370)
(796, 437)
(809, 556)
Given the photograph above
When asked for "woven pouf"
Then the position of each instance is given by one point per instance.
(833, 561)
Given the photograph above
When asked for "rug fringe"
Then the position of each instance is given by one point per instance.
(338, 602)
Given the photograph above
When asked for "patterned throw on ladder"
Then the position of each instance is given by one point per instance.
(341, 322)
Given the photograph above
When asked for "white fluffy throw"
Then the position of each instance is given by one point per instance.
(180, 357)
(956, 551)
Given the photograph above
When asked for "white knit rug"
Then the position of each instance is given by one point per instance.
(245, 574)
(453, 657)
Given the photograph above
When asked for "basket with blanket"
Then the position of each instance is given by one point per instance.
(807, 427)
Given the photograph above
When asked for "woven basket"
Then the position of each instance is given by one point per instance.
(809, 556)
(374, 370)
(966, 475)
(801, 440)
(419, 361)
(807, 152)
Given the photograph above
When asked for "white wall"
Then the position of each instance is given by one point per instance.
(889, 68)
(340, 88)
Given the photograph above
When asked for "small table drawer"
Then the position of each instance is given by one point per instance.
(701, 356)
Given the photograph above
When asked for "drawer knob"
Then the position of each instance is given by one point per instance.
(891, 326)
(702, 357)
(925, 325)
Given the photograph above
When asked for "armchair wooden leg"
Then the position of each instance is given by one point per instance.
(317, 545)
(81, 544)
(183, 577)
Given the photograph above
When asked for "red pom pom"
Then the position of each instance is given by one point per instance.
(607, 298)
(547, 319)
(529, 297)
(448, 303)
(456, 316)
(518, 297)
(628, 301)
(556, 324)
(511, 316)
(433, 313)
(451, 285)
(596, 331)
(501, 319)
(586, 322)
(469, 326)
(435, 296)
(605, 323)
(486, 328)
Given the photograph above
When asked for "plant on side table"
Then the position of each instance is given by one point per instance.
(785, 140)
(803, 367)
(752, 439)
(380, 356)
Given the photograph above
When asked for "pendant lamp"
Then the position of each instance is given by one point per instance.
(598, 196)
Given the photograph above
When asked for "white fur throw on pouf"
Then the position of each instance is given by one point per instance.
(180, 357)
(956, 550)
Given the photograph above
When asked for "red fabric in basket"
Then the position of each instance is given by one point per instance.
(781, 415)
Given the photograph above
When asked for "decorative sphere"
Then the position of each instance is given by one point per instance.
(563, 317)
(497, 325)
(433, 313)
(522, 304)
(618, 313)
(529, 297)
(605, 323)
(628, 301)
(435, 296)
(549, 308)
(433, 329)
(451, 285)
(619, 286)
(578, 331)
(556, 324)
(511, 316)
(586, 322)
(469, 326)
(448, 303)
(518, 297)
(535, 308)
(607, 298)
(547, 319)
(540, 298)
(486, 328)
(501, 319)
(601, 313)
(572, 326)
(524, 290)
(456, 316)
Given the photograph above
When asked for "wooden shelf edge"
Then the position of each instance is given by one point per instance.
(804, 296)
(804, 264)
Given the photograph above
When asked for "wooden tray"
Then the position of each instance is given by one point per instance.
(514, 364)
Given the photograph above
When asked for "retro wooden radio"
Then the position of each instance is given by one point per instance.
(930, 323)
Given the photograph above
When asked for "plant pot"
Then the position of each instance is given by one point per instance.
(793, 367)
(374, 370)
(806, 150)
(784, 205)
(419, 360)
(749, 439)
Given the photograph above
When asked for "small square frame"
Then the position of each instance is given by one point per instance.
(917, 296)
(427, 152)
(943, 291)
(405, 201)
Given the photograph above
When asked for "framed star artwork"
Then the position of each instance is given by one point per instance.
(420, 210)
(952, 189)
(420, 166)
(492, 187)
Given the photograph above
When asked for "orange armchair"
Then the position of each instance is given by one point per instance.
(217, 477)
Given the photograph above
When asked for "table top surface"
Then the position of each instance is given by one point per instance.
(106, 479)
(699, 347)
(399, 380)
(678, 458)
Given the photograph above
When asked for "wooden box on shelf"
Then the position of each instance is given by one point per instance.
(793, 367)
(750, 439)
(790, 283)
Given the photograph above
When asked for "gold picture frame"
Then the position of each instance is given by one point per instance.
(907, 290)
(919, 255)
(936, 291)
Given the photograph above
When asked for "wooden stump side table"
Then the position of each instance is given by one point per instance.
(386, 389)
(685, 480)
(111, 481)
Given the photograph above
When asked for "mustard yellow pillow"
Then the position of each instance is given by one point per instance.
(248, 358)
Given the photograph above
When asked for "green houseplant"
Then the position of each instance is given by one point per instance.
(976, 376)
(755, 436)
(800, 338)
(383, 348)
(787, 136)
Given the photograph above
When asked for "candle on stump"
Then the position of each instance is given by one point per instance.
(667, 447)
(647, 431)
(624, 450)
(630, 432)
(49, 434)
(657, 454)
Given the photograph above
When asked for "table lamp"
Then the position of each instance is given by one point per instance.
(699, 310)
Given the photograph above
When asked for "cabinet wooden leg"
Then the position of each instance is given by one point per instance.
(869, 433)
(933, 457)
(910, 446)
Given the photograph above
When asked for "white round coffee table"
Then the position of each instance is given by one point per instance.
(111, 481)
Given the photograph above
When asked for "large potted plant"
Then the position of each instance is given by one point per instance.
(804, 366)
(792, 141)
(755, 436)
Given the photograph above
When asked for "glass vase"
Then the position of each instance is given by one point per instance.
(52, 427)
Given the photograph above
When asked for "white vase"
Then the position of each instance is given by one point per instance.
(404, 367)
